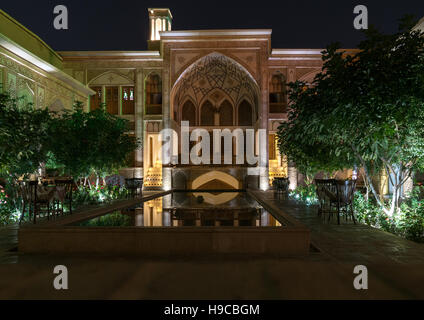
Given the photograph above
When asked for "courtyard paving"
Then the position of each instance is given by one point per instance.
(395, 269)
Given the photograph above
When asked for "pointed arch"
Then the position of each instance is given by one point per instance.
(207, 114)
(245, 115)
(105, 79)
(189, 113)
(226, 113)
(309, 77)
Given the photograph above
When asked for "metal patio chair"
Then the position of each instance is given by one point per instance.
(63, 193)
(281, 186)
(135, 186)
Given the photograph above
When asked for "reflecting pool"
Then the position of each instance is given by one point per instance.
(190, 209)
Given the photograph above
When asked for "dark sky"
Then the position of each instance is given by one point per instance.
(123, 25)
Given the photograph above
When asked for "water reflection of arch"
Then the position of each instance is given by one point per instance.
(216, 199)
(179, 181)
(226, 178)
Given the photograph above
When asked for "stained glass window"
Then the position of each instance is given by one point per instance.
(128, 106)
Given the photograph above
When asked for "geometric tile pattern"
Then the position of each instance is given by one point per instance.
(215, 71)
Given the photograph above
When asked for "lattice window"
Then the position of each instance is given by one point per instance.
(112, 100)
(153, 94)
(96, 99)
(277, 94)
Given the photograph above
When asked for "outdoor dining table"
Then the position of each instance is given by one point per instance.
(50, 193)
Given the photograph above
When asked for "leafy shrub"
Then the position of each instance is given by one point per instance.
(408, 222)
(305, 194)
(86, 195)
(8, 213)
(114, 219)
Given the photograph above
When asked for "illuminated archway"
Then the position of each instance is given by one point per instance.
(215, 175)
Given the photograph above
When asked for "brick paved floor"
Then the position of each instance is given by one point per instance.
(395, 267)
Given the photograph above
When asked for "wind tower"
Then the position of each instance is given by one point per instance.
(160, 19)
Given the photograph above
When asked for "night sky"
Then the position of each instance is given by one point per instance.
(123, 25)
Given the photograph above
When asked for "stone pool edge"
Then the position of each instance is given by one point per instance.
(57, 237)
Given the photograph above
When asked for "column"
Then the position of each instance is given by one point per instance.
(139, 123)
(103, 94)
(291, 169)
(166, 120)
(263, 124)
(152, 29)
(292, 175)
(120, 100)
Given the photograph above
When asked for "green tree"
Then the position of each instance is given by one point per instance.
(24, 132)
(94, 142)
(364, 108)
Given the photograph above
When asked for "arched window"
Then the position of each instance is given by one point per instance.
(226, 114)
(153, 94)
(188, 113)
(245, 114)
(207, 114)
(277, 94)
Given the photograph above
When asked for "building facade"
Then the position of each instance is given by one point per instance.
(209, 79)
(31, 70)
(214, 79)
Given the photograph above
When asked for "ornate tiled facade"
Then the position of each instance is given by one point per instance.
(211, 78)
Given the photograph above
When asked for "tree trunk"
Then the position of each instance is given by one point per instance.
(366, 188)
